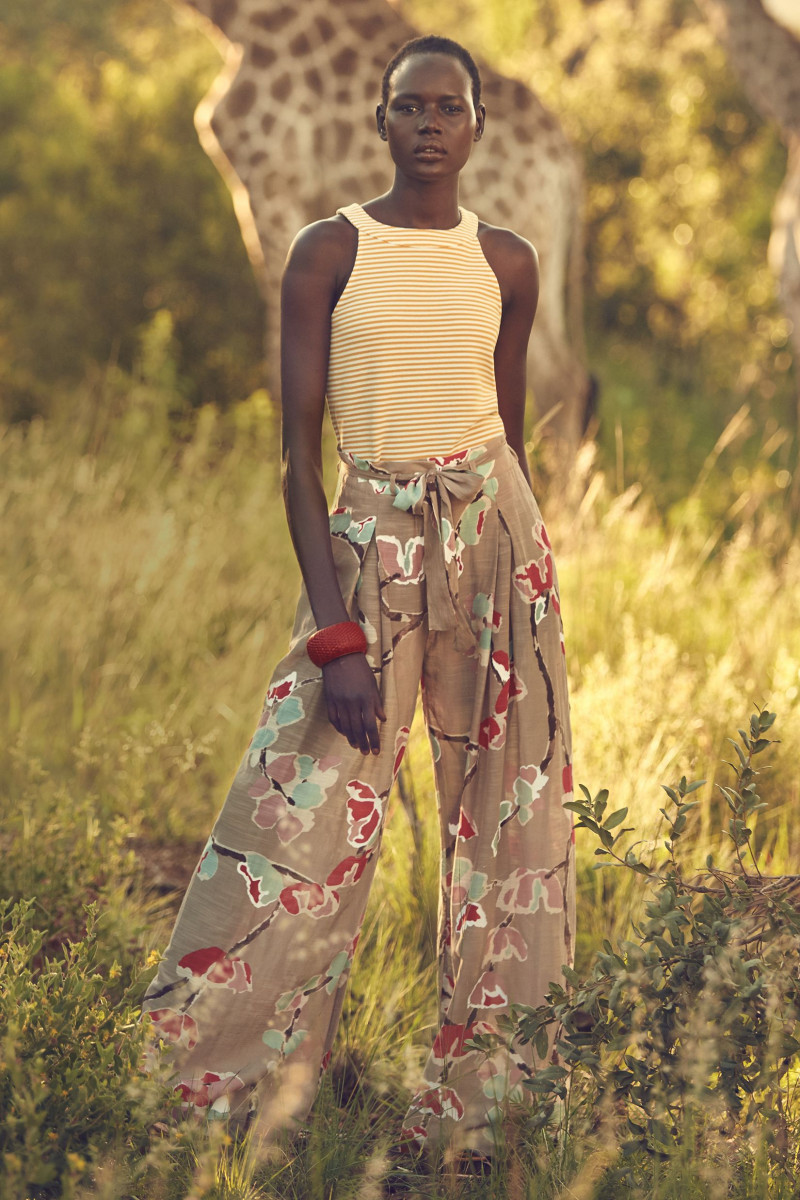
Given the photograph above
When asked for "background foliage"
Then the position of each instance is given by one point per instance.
(109, 209)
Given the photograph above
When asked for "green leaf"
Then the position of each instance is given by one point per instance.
(540, 1042)
(739, 752)
(615, 819)
(600, 802)
(576, 806)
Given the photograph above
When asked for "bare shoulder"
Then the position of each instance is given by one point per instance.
(508, 249)
(514, 261)
(323, 246)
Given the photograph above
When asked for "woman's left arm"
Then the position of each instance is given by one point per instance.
(516, 265)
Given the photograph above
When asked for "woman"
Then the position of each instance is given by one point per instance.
(434, 566)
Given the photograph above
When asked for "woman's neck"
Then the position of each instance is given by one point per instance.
(417, 204)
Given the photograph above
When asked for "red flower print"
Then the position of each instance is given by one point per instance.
(400, 743)
(311, 898)
(492, 732)
(326, 1060)
(450, 1039)
(566, 780)
(488, 992)
(506, 942)
(364, 812)
(282, 689)
(208, 1088)
(536, 577)
(413, 1133)
(175, 1027)
(526, 890)
(348, 871)
(441, 1102)
(471, 915)
(449, 460)
(465, 828)
(501, 666)
(217, 969)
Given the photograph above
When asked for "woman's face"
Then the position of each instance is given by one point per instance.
(430, 120)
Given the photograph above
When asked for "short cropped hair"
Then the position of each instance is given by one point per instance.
(432, 43)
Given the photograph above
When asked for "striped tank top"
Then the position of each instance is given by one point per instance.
(411, 368)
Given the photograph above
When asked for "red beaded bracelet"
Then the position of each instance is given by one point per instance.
(334, 641)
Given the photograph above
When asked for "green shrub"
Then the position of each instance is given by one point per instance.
(690, 1028)
(70, 1084)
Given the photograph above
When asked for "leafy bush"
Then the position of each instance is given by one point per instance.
(69, 1059)
(692, 1025)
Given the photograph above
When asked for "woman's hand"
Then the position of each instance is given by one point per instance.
(354, 702)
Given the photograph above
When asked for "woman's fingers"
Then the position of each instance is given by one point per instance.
(354, 702)
(371, 731)
(359, 726)
(346, 725)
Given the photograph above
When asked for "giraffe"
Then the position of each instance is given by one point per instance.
(762, 42)
(290, 124)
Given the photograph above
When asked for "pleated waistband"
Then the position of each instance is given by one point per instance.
(427, 487)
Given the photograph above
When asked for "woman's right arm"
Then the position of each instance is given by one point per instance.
(319, 262)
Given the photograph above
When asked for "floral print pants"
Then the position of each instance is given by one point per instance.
(446, 565)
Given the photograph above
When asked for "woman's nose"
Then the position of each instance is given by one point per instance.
(429, 119)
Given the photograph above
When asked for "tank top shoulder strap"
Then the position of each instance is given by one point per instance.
(356, 216)
(469, 220)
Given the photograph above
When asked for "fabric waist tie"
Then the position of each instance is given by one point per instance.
(427, 487)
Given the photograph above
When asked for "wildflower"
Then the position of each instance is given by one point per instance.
(153, 957)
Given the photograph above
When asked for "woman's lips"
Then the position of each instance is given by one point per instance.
(430, 151)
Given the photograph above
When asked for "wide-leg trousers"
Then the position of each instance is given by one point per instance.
(447, 566)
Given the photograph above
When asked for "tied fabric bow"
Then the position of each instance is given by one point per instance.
(429, 490)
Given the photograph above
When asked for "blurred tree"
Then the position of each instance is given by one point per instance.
(766, 55)
(109, 209)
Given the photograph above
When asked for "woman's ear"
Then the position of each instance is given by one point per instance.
(380, 121)
(480, 114)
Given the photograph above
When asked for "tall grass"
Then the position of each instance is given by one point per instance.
(150, 591)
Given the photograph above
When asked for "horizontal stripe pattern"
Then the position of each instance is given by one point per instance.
(411, 368)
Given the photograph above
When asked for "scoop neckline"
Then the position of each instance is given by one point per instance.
(413, 228)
